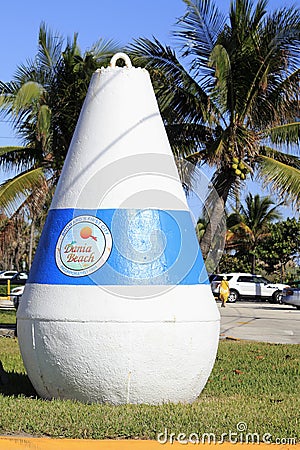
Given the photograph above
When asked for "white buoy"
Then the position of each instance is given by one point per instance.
(118, 307)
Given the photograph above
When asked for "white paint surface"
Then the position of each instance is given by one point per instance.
(91, 362)
(114, 126)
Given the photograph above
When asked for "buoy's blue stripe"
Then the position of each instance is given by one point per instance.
(149, 247)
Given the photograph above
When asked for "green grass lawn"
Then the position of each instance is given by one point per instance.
(7, 317)
(254, 383)
(3, 289)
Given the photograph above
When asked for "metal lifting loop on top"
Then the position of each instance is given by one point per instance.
(123, 56)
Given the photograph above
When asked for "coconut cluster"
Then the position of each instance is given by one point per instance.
(240, 168)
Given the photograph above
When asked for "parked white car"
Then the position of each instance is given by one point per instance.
(8, 274)
(247, 285)
(16, 294)
(291, 295)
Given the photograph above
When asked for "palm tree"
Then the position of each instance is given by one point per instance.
(43, 102)
(233, 101)
(248, 226)
(200, 228)
(14, 238)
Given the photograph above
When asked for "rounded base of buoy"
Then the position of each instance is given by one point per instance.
(137, 362)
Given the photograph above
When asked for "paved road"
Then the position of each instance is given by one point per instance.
(6, 330)
(260, 321)
(6, 304)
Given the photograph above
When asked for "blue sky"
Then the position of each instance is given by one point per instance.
(121, 20)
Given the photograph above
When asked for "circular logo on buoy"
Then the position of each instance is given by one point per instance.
(83, 246)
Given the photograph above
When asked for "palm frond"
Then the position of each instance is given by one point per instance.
(188, 140)
(13, 191)
(251, 223)
(35, 200)
(281, 101)
(50, 48)
(283, 178)
(17, 157)
(188, 174)
(286, 134)
(5, 100)
(24, 72)
(287, 35)
(245, 17)
(154, 55)
(259, 212)
(277, 45)
(28, 94)
(220, 61)
(178, 93)
(43, 123)
(104, 48)
(239, 234)
(198, 31)
(6, 150)
(285, 158)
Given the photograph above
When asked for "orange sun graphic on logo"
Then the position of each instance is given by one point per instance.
(86, 232)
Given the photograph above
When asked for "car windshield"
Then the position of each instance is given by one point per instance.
(220, 277)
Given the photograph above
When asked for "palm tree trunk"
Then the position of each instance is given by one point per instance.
(31, 244)
(212, 228)
(282, 272)
(215, 208)
(253, 263)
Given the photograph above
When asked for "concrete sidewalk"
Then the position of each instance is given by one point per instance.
(260, 321)
(6, 304)
(10, 443)
(6, 330)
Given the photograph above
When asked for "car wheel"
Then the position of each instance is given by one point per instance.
(298, 307)
(233, 296)
(276, 297)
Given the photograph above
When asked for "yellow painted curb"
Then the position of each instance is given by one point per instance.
(11, 443)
